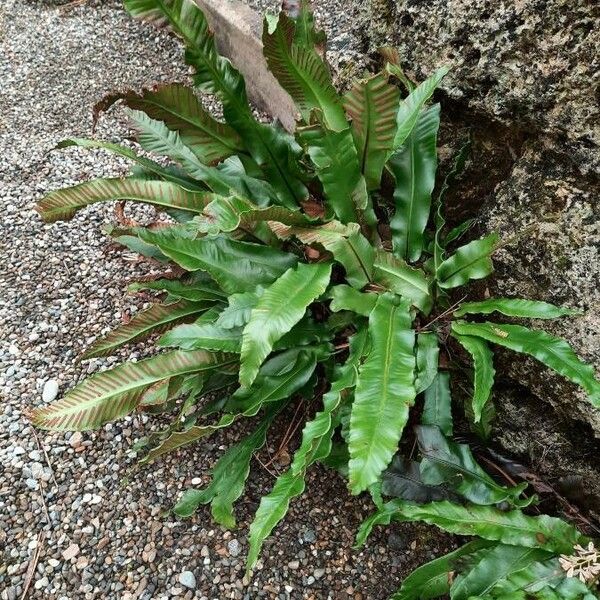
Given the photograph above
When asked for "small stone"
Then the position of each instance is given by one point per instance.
(37, 470)
(71, 552)
(18, 451)
(149, 556)
(35, 455)
(397, 541)
(53, 562)
(41, 583)
(187, 579)
(234, 547)
(310, 580)
(294, 564)
(50, 390)
(76, 439)
(318, 573)
(309, 536)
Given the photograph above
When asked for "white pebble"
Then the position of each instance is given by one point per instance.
(50, 390)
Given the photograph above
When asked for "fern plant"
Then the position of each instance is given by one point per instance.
(312, 269)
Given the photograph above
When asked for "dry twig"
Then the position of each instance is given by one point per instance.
(32, 565)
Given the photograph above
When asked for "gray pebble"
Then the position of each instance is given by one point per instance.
(188, 580)
(234, 547)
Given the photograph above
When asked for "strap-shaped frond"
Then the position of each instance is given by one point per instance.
(228, 214)
(471, 261)
(315, 445)
(410, 107)
(149, 166)
(336, 160)
(554, 352)
(344, 297)
(514, 307)
(492, 567)
(437, 408)
(280, 377)
(302, 73)
(63, 204)
(195, 287)
(511, 527)
(155, 319)
(155, 136)
(237, 313)
(214, 73)
(414, 167)
(427, 360)
(402, 279)
(446, 462)
(235, 266)
(384, 392)
(439, 241)
(349, 247)
(270, 146)
(279, 308)
(179, 439)
(203, 336)
(112, 394)
(306, 34)
(228, 477)
(433, 579)
(372, 105)
(178, 107)
(483, 371)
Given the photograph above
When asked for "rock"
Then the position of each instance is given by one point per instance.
(318, 573)
(294, 564)
(551, 212)
(234, 547)
(50, 390)
(501, 66)
(187, 579)
(532, 177)
(71, 552)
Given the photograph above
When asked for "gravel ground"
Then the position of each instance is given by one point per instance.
(73, 525)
